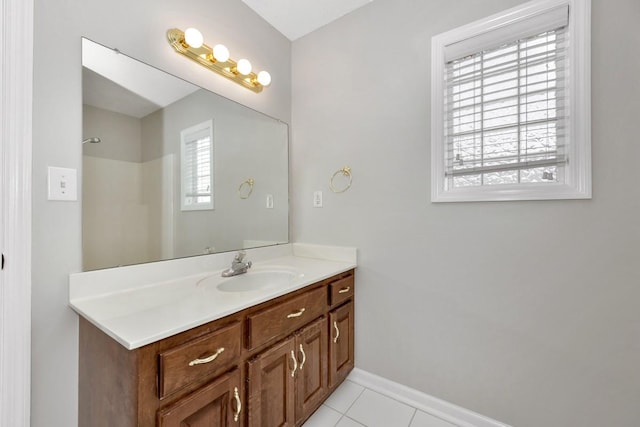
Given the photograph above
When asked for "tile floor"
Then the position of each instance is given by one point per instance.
(353, 405)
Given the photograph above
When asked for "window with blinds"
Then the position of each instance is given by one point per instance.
(510, 105)
(197, 166)
(505, 113)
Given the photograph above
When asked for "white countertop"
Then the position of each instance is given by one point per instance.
(145, 310)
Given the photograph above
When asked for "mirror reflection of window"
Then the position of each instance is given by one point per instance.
(197, 166)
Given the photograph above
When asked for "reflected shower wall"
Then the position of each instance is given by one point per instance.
(127, 211)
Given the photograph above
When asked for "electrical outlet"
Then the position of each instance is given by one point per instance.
(317, 199)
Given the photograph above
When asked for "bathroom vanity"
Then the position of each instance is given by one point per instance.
(270, 363)
(173, 343)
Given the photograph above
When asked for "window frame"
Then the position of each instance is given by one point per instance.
(206, 126)
(577, 184)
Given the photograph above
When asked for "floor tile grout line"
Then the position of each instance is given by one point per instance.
(344, 414)
(364, 388)
(400, 401)
(352, 419)
(387, 396)
(356, 399)
(415, 412)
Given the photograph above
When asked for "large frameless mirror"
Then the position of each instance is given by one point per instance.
(172, 170)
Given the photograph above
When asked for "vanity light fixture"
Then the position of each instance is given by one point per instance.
(191, 44)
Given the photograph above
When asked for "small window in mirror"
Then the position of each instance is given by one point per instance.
(196, 152)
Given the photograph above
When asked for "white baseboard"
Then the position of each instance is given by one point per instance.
(432, 405)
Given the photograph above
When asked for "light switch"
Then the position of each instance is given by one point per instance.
(63, 184)
(269, 201)
(317, 199)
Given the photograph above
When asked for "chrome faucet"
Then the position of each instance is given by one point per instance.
(238, 265)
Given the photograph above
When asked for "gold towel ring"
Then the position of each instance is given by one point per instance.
(247, 184)
(345, 171)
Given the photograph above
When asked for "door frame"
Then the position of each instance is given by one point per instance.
(16, 100)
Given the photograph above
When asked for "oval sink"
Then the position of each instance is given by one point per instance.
(254, 280)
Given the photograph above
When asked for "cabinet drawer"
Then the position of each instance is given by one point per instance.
(285, 317)
(198, 358)
(341, 290)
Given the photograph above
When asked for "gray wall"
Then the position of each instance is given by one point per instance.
(120, 135)
(138, 29)
(524, 311)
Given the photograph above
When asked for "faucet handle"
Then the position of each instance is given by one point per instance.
(240, 256)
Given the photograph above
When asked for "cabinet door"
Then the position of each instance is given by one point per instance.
(341, 358)
(312, 375)
(216, 404)
(271, 386)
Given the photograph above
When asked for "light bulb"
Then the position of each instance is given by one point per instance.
(193, 37)
(244, 67)
(264, 78)
(220, 53)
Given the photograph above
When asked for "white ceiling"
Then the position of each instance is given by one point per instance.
(116, 82)
(101, 92)
(296, 18)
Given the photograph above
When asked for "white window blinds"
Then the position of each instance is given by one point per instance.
(514, 29)
(505, 111)
(197, 167)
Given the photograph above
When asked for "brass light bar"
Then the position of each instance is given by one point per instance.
(203, 55)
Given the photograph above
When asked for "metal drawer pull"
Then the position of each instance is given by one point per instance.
(344, 290)
(236, 395)
(295, 364)
(335, 325)
(296, 314)
(304, 357)
(208, 359)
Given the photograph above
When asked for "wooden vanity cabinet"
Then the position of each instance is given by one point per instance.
(136, 388)
(341, 344)
(341, 326)
(289, 381)
(312, 375)
(215, 404)
(269, 365)
(272, 386)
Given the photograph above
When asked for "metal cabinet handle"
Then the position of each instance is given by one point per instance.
(236, 396)
(296, 314)
(344, 290)
(335, 325)
(207, 359)
(295, 363)
(304, 357)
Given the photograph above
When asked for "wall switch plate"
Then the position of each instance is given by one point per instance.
(317, 199)
(63, 184)
(269, 201)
